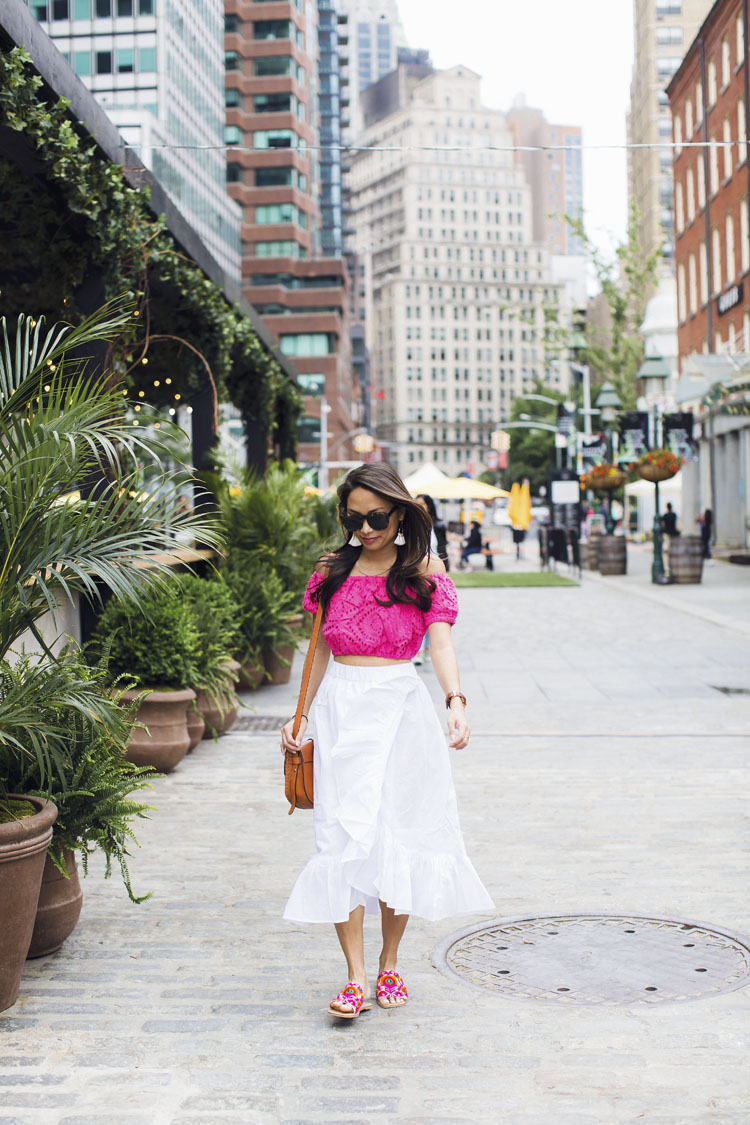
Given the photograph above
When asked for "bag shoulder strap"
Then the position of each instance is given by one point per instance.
(308, 665)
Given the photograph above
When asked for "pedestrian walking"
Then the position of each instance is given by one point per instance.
(386, 824)
(706, 523)
(669, 521)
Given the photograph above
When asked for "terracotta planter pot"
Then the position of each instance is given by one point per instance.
(654, 473)
(166, 740)
(23, 847)
(59, 907)
(251, 674)
(196, 725)
(219, 710)
(279, 663)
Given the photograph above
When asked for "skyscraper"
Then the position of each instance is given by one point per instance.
(375, 34)
(461, 302)
(157, 68)
(663, 31)
(278, 148)
(555, 176)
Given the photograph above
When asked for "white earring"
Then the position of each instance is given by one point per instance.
(399, 541)
(354, 542)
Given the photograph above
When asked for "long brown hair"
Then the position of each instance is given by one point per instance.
(404, 582)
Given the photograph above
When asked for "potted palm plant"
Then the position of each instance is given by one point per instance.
(72, 523)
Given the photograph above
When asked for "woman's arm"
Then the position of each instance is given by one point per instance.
(320, 663)
(446, 669)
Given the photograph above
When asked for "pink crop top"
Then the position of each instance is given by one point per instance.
(355, 625)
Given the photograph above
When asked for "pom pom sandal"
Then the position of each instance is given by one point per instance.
(353, 995)
(390, 987)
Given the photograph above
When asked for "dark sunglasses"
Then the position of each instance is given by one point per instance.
(378, 521)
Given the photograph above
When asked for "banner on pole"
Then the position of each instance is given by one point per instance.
(593, 451)
(678, 434)
(633, 435)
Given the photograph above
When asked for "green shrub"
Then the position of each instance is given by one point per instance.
(156, 643)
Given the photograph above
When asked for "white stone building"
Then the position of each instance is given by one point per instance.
(157, 69)
(460, 302)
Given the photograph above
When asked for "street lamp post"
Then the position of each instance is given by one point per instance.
(658, 575)
(608, 402)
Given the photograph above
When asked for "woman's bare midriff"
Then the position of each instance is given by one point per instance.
(368, 661)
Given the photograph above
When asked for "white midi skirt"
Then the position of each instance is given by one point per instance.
(386, 823)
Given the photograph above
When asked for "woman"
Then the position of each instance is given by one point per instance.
(386, 824)
(472, 545)
(439, 537)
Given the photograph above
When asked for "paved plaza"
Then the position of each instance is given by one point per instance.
(608, 773)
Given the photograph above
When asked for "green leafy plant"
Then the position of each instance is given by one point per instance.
(216, 615)
(154, 641)
(267, 607)
(94, 782)
(72, 517)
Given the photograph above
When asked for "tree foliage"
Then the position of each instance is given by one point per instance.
(532, 451)
(615, 353)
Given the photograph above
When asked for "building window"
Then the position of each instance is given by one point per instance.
(272, 64)
(716, 263)
(274, 177)
(232, 97)
(726, 62)
(729, 247)
(279, 249)
(681, 293)
(81, 9)
(146, 7)
(308, 430)
(740, 37)
(272, 29)
(275, 138)
(713, 153)
(280, 213)
(273, 103)
(103, 62)
(234, 173)
(124, 7)
(703, 269)
(741, 132)
(712, 92)
(692, 287)
(688, 119)
(701, 169)
(727, 138)
(147, 60)
(669, 7)
(690, 195)
(232, 135)
(667, 65)
(306, 343)
(668, 36)
(679, 207)
(125, 60)
(82, 62)
(232, 23)
(698, 103)
(744, 243)
(311, 384)
(677, 133)
(60, 10)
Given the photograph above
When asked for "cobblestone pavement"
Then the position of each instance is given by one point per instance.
(607, 773)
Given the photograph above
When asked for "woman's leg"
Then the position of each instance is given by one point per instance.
(393, 926)
(351, 937)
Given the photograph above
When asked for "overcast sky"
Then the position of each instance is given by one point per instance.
(571, 58)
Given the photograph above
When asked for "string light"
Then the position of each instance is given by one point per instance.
(178, 397)
(167, 381)
(190, 410)
(141, 394)
(172, 410)
(156, 382)
(144, 360)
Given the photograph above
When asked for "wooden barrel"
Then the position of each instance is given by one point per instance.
(685, 558)
(612, 554)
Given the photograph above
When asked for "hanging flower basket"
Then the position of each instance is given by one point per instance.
(603, 478)
(658, 465)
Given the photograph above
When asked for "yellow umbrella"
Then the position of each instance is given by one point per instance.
(522, 513)
(515, 494)
(463, 488)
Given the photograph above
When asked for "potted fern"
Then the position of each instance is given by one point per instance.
(64, 436)
(216, 614)
(91, 790)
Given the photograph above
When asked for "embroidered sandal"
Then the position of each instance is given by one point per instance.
(390, 987)
(353, 995)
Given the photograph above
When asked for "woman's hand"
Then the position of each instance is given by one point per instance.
(458, 727)
(288, 741)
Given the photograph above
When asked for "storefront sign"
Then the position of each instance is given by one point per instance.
(730, 298)
(633, 435)
(678, 434)
(593, 451)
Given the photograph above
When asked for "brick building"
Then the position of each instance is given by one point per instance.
(272, 117)
(708, 97)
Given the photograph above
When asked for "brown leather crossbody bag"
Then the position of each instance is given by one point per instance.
(298, 764)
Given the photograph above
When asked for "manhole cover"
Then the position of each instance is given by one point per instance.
(259, 722)
(731, 690)
(597, 958)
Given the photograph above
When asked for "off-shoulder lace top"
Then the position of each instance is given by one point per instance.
(355, 625)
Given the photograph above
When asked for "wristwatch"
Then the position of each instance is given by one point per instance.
(454, 695)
